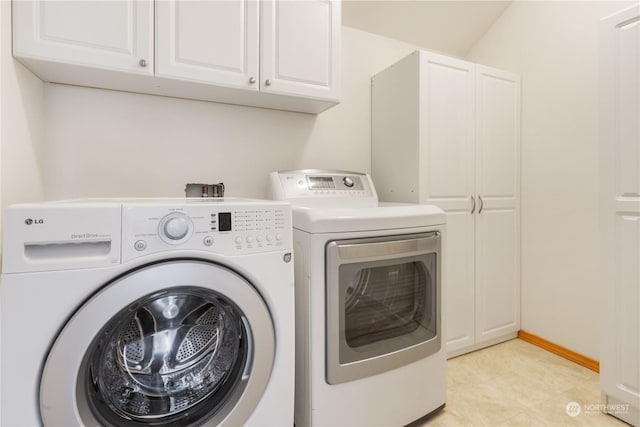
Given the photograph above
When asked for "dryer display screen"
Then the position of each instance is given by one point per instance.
(321, 182)
(224, 221)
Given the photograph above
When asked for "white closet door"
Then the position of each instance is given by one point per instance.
(208, 41)
(498, 214)
(620, 187)
(446, 167)
(113, 35)
(300, 53)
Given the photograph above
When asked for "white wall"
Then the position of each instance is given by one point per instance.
(21, 118)
(554, 46)
(104, 143)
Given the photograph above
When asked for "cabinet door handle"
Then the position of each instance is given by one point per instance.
(252, 80)
(473, 208)
(267, 82)
(481, 204)
(143, 62)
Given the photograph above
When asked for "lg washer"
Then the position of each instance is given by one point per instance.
(147, 312)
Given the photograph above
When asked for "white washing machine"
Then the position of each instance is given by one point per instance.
(369, 291)
(147, 312)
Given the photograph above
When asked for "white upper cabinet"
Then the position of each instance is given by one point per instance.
(114, 35)
(208, 41)
(280, 54)
(301, 47)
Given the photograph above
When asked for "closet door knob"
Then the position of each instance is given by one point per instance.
(252, 80)
(143, 62)
(267, 82)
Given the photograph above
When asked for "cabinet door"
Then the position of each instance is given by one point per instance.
(620, 227)
(112, 35)
(208, 41)
(446, 165)
(498, 214)
(300, 53)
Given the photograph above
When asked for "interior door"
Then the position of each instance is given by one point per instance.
(175, 343)
(620, 214)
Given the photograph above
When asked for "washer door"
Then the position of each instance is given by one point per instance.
(180, 342)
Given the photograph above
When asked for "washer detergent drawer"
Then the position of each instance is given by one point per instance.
(61, 237)
(383, 304)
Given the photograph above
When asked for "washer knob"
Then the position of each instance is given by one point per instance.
(175, 228)
(347, 181)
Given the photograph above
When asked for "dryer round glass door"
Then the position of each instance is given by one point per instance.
(171, 343)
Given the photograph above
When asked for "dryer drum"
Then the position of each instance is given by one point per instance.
(164, 355)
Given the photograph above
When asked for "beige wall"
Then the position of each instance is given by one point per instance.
(554, 46)
(107, 143)
(21, 119)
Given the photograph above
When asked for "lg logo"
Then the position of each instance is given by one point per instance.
(30, 221)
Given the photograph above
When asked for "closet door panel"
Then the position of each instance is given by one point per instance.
(498, 214)
(459, 307)
(497, 273)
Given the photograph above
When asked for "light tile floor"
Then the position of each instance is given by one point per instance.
(518, 384)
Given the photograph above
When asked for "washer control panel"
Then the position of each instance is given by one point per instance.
(226, 228)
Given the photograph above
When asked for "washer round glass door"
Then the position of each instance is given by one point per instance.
(170, 343)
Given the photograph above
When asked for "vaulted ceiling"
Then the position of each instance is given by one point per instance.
(451, 27)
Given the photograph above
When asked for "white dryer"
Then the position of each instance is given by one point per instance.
(147, 312)
(369, 291)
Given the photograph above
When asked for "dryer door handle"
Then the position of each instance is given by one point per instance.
(361, 252)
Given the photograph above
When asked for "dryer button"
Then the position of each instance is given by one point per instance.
(208, 241)
(140, 245)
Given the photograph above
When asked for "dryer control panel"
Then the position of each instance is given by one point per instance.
(204, 224)
(326, 188)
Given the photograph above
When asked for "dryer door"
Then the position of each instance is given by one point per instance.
(181, 342)
(383, 304)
